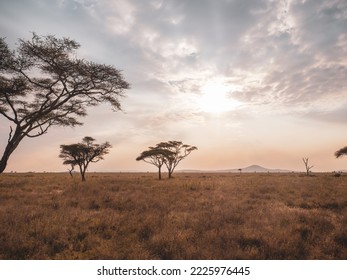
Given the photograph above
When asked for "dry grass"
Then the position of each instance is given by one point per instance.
(193, 216)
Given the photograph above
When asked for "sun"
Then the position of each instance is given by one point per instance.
(214, 99)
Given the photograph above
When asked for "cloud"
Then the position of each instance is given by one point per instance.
(274, 53)
(118, 16)
(287, 53)
(335, 115)
(298, 54)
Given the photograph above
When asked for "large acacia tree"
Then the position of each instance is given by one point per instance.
(44, 84)
(83, 153)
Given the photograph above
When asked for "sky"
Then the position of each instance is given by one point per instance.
(247, 82)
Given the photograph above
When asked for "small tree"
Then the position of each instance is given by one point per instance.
(177, 151)
(240, 169)
(43, 84)
(81, 154)
(307, 167)
(155, 156)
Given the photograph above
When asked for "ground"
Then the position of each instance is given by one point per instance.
(192, 216)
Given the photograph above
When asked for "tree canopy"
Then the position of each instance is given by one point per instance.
(341, 152)
(44, 84)
(83, 153)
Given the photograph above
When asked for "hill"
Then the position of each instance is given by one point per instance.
(249, 169)
(257, 168)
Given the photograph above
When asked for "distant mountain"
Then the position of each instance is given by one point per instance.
(257, 168)
(249, 169)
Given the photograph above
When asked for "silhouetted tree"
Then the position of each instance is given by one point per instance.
(155, 156)
(307, 167)
(341, 152)
(43, 84)
(81, 154)
(177, 152)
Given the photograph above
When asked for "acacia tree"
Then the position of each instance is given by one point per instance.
(177, 151)
(43, 84)
(154, 156)
(341, 152)
(307, 167)
(81, 154)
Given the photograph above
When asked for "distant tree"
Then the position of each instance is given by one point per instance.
(341, 152)
(81, 154)
(240, 169)
(43, 84)
(177, 152)
(307, 167)
(154, 156)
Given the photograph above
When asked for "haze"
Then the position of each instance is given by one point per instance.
(247, 82)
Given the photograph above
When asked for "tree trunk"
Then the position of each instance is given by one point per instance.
(83, 176)
(159, 172)
(82, 171)
(10, 148)
(3, 163)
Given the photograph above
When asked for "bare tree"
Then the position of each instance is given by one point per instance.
(43, 84)
(177, 152)
(154, 156)
(307, 167)
(81, 154)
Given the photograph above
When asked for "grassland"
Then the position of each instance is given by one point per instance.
(193, 216)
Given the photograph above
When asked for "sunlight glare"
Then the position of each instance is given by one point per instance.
(214, 99)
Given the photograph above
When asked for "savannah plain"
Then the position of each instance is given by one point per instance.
(192, 216)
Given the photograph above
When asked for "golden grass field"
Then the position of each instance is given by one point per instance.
(193, 216)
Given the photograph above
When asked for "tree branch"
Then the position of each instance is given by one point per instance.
(10, 135)
(7, 116)
(15, 120)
